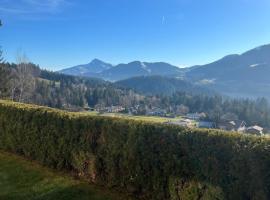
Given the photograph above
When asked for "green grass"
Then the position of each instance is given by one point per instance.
(26, 180)
(155, 119)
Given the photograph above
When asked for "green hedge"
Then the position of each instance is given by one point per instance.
(149, 161)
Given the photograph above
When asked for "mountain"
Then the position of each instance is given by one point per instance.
(237, 75)
(244, 75)
(137, 68)
(91, 69)
(108, 72)
(153, 85)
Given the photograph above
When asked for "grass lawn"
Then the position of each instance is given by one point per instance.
(21, 179)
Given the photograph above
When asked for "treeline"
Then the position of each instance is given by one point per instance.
(26, 82)
(149, 161)
(218, 107)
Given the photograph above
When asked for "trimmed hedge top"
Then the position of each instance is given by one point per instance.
(147, 160)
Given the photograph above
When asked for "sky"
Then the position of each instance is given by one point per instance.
(56, 34)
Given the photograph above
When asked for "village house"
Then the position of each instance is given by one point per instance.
(232, 125)
(255, 130)
(195, 116)
(115, 109)
(156, 112)
(110, 109)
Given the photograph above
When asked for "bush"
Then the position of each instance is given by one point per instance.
(150, 161)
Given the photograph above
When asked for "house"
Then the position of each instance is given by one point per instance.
(195, 116)
(111, 109)
(232, 125)
(182, 122)
(115, 109)
(206, 124)
(255, 130)
(156, 112)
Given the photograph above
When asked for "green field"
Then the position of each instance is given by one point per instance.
(26, 180)
(155, 119)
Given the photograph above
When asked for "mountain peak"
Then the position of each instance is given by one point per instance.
(96, 61)
(94, 67)
(136, 62)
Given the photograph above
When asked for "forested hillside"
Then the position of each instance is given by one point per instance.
(160, 85)
(219, 107)
(27, 83)
(237, 75)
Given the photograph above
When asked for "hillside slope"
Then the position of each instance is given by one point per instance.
(158, 85)
(245, 75)
(59, 90)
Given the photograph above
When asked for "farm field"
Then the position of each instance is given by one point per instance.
(27, 180)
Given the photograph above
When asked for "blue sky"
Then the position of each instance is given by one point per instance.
(62, 33)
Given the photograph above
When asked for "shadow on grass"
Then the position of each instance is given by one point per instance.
(77, 192)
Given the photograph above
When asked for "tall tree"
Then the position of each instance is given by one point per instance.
(25, 81)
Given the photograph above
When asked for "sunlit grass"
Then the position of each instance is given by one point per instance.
(25, 180)
(155, 119)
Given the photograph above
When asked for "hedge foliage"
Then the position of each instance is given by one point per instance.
(150, 161)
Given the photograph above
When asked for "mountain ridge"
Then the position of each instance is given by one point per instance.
(242, 75)
(123, 70)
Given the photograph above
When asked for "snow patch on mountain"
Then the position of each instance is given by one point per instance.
(144, 66)
(256, 65)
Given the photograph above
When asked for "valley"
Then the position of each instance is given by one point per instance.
(125, 100)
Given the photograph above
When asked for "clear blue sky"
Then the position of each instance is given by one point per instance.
(63, 33)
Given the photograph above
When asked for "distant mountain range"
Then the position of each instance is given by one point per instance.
(244, 75)
(100, 69)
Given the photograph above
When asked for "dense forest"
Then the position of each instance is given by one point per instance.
(162, 85)
(218, 107)
(26, 82)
